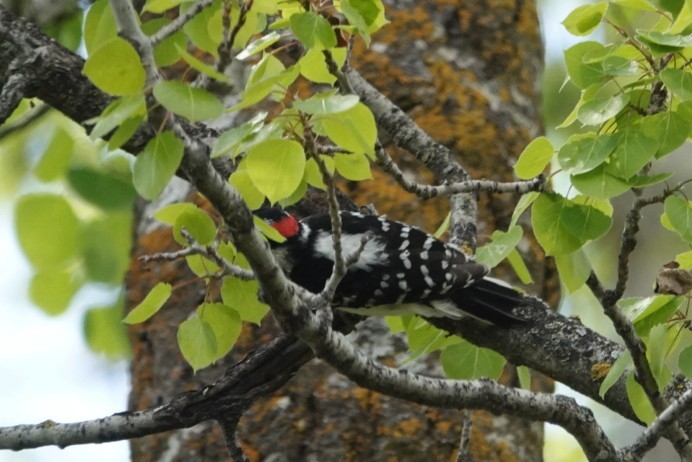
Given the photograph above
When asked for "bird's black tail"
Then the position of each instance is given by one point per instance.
(490, 301)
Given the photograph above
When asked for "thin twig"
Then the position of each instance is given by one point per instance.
(178, 23)
(229, 36)
(648, 439)
(230, 427)
(208, 251)
(464, 455)
(623, 325)
(423, 191)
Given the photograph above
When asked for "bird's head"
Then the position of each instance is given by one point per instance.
(286, 224)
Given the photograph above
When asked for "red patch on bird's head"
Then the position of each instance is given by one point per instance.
(287, 226)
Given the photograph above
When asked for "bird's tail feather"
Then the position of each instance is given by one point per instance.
(490, 301)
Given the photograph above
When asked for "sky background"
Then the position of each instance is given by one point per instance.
(54, 374)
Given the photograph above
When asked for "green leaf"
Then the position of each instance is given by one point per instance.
(195, 104)
(313, 30)
(106, 190)
(670, 129)
(619, 66)
(224, 322)
(170, 213)
(314, 67)
(586, 95)
(465, 361)
(242, 296)
(160, 6)
(326, 103)
(105, 332)
(115, 68)
(639, 401)
(585, 152)
(268, 231)
(599, 111)
(444, 226)
(395, 324)
(684, 259)
(354, 130)
(562, 226)
(574, 269)
(679, 212)
(202, 28)
(616, 370)
(99, 26)
(679, 82)
(584, 19)
(671, 42)
(520, 269)
(200, 66)
(152, 303)
(124, 132)
(524, 376)
(523, 204)
(197, 223)
(535, 158)
(599, 183)
(107, 263)
(56, 158)
(638, 181)
(269, 84)
(354, 13)
(47, 229)
(231, 141)
(201, 266)
(117, 112)
(587, 222)
(313, 174)
(424, 338)
(258, 45)
(276, 167)
(156, 164)
(53, 290)
(648, 312)
(685, 361)
(500, 246)
(240, 179)
(635, 4)
(584, 74)
(354, 167)
(634, 150)
(658, 345)
(197, 342)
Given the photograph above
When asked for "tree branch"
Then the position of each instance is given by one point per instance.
(423, 191)
(178, 23)
(648, 439)
(438, 158)
(260, 373)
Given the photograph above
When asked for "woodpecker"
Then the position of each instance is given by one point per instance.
(400, 270)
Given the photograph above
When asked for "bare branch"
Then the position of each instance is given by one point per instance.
(622, 324)
(178, 23)
(407, 134)
(230, 427)
(13, 91)
(225, 56)
(423, 191)
(465, 438)
(648, 439)
(463, 394)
